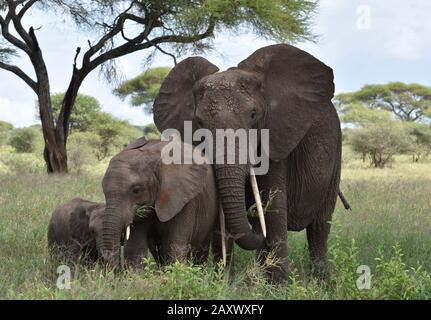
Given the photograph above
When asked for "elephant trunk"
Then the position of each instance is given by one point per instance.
(231, 186)
(109, 241)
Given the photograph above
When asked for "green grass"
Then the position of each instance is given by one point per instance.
(389, 230)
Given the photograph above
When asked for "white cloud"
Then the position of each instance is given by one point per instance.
(18, 113)
(408, 31)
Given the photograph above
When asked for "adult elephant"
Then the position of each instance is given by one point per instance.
(289, 92)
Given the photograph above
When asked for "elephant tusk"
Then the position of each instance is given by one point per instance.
(256, 195)
(128, 232)
(223, 234)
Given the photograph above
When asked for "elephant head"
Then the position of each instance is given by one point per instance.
(279, 87)
(137, 177)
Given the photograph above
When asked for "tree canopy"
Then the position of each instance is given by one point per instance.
(83, 114)
(144, 88)
(407, 102)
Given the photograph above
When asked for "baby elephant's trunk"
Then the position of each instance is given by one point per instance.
(109, 241)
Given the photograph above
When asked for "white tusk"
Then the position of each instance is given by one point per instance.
(258, 201)
(128, 232)
(223, 234)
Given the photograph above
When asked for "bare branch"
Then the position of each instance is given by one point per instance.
(17, 23)
(78, 50)
(4, 24)
(26, 7)
(17, 71)
(163, 51)
(136, 44)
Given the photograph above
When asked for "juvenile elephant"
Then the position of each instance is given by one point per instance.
(175, 203)
(289, 92)
(69, 230)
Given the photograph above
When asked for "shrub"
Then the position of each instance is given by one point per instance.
(151, 132)
(24, 140)
(82, 149)
(20, 163)
(421, 134)
(380, 142)
(5, 131)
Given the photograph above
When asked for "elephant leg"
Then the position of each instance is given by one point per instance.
(200, 254)
(317, 236)
(136, 247)
(274, 256)
(175, 241)
(176, 251)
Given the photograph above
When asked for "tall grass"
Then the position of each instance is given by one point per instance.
(388, 230)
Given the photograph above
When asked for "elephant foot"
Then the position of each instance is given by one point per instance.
(278, 274)
(276, 269)
(321, 270)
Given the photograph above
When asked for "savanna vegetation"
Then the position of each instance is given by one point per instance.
(388, 230)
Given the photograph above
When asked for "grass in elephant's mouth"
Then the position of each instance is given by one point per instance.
(144, 211)
(388, 231)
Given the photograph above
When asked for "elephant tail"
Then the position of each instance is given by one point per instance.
(344, 201)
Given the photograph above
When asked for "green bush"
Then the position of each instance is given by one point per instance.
(380, 142)
(421, 134)
(82, 150)
(151, 132)
(23, 140)
(5, 131)
(20, 163)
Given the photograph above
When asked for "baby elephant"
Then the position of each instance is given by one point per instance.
(71, 233)
(69, 230)
(175, 204)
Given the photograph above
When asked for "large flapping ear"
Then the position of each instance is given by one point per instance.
(136, 144)
(297, 87)
(175, 102)
(179, 183)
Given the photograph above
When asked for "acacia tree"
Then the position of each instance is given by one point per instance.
(120, 27)
(143, 88)
(407, 102)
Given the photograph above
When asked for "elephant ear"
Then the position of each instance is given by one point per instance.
(175, 102)
(297, 88)
(136, 144)
(179, 183)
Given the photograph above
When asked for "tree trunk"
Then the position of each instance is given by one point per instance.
(56, 134)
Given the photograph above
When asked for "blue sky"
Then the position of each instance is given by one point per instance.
(365, 41)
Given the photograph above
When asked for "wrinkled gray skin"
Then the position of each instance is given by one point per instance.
(289, 92)
(69, 230)
(183, 203)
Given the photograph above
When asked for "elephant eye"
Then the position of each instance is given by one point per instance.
(253, 114)
(136, 190)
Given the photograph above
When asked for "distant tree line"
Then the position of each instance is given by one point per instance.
(385, 120)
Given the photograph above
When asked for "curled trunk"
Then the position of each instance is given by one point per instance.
(231, 187)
